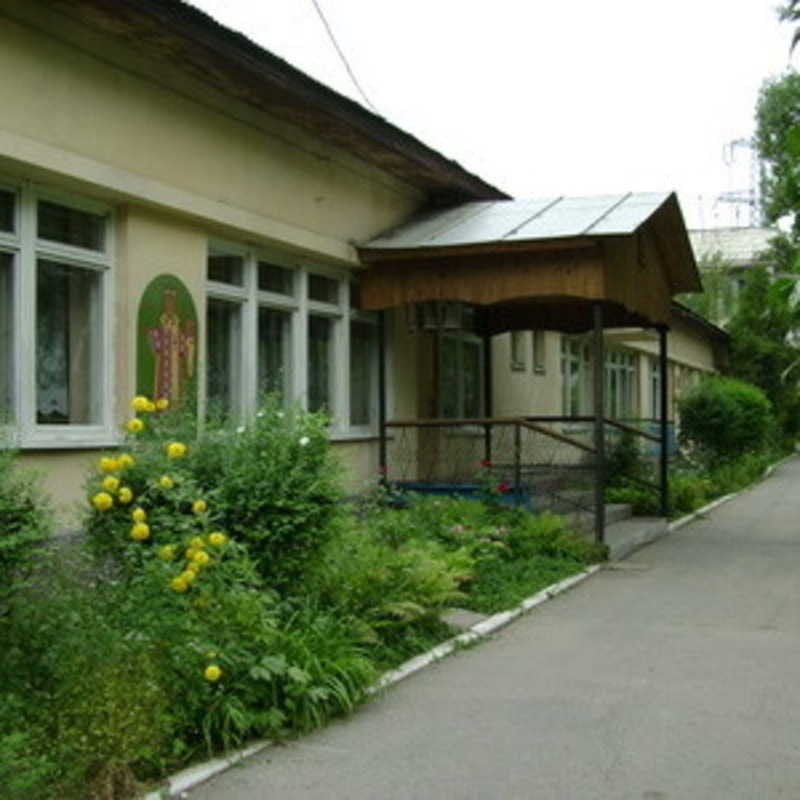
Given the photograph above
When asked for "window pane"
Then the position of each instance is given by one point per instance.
(449, 382)
(320, 340)
(272, 278)
(226, 268)
(70, 226)
(273, 350)
(6, 335)
(363, 343)
(322, 289)
(68, 345)
(223, 357)
(471, 378)
(6, 211)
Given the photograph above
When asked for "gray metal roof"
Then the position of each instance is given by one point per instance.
(487, 222)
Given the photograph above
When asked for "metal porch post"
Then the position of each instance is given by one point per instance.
(382, 465)
(664, 394)
(488, 401)
(598, 362)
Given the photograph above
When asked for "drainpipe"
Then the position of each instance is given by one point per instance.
(383, 466)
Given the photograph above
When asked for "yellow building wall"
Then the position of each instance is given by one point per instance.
(176, 171)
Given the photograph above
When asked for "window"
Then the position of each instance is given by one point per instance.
(274, 325)
(55, 310)
(538, 351)
(363, 372)
(574, 377)
(655, 388)
(6, 335)
(68, 386)
(461, 376)
(620, 377)
(518, 349)
(223, 363)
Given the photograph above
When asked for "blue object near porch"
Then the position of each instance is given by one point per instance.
(515, 496)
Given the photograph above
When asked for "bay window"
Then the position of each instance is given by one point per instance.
(55, 326)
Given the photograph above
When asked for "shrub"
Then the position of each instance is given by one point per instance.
(277, 488)
(723, 417)
(25, 522)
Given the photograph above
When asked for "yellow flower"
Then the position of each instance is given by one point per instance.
(102, 501)
(179, 584)
(217, 538)
(199, 506)
(110, 483)
(162, 404)
(197, 543)
(140, 531)
(201, 558)
(134, 425)
(165, 482)
(151, 406)
(188, 575)
(191, 552)
(125, 460)
(138, 514)
(212, 673)
(167, 552)
(176, 450)
(125, 495)
(108, 464)
(139, 403)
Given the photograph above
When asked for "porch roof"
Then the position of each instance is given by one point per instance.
(540, 263)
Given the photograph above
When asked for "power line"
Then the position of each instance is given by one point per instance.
(342, 56)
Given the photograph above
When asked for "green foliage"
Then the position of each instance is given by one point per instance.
(718, 299)
(761, 350)
(385, 587)
(778, 143)
(625, 461)
(25, 523)
(724, 417)
(277, 488)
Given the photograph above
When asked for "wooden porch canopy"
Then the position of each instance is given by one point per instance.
(540, 263)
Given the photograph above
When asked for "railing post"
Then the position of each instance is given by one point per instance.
(598, 362)
(488, 404)
(664, 394)
(383, 467)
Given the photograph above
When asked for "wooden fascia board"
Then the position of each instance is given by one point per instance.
(387, 255)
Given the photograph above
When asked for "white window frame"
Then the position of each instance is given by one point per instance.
(622, 396)
(370, 428)
(574, 351)
(300, 308)
(519, 350)
(460, 337)
(26, 249)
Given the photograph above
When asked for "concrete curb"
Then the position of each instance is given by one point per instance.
(183, 781)
(679, 523)
(192, 777)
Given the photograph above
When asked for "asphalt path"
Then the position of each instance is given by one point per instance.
(672, 675)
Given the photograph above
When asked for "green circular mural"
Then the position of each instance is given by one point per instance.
(166, 342)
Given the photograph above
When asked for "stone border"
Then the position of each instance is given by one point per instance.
(190, 778)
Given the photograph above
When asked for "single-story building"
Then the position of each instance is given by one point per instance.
(183, 212)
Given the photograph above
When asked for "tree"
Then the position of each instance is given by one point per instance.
(717, 301)
(778, 143)
(762, 349)
(791, 13)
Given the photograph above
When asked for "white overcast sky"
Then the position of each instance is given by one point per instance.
(550, 97)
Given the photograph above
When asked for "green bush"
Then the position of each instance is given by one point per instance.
(277, 488)
(722, 418)
(25, 524)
